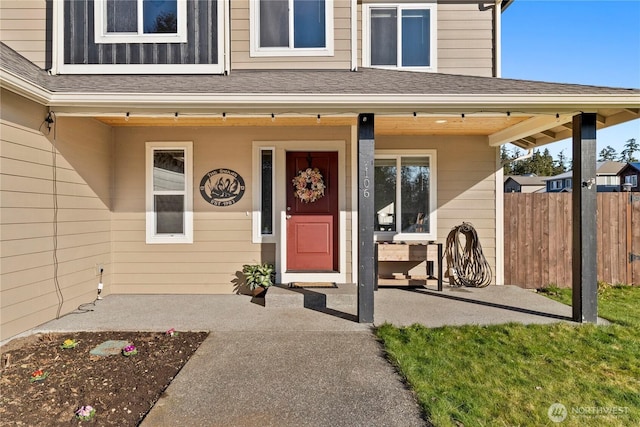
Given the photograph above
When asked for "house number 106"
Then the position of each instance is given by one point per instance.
(366, 183)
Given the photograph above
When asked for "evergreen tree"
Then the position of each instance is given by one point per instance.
(505, 160)
(629, 149)
(607, 154)
(561, 163)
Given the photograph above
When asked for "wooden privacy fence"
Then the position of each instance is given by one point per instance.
(537, 238)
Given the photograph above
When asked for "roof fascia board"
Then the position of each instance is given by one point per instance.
(526, 128)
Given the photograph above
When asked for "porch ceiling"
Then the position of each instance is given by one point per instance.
(523, 130)
(384, 125)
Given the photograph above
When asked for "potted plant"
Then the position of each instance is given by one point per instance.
(259, 277)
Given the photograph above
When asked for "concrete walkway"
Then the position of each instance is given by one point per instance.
(265, 366)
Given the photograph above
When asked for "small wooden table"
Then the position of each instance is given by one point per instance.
(402, 251)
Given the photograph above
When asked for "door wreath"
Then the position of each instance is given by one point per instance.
(309, 185)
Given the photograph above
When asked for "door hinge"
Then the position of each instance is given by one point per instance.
(633, 257)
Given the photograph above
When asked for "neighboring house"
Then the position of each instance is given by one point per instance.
(156, 147)
(629, 176)
(523, 184)
(607, 179)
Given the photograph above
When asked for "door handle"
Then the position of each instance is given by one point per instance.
(288, 216)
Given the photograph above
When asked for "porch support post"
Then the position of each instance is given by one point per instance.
(366, 265)
(584, 250)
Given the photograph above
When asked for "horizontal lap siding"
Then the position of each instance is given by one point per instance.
(465, 39)
(23, 28)
(222, 235)
(240, 39)
(28, 290)
(466, 184)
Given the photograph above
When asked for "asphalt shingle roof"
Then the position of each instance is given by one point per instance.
(364, 81)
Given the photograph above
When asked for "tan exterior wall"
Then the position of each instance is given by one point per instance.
(23, 28)
(465, 194)
(29, 273)
(240, 48)
(222, 235)
(465, 38)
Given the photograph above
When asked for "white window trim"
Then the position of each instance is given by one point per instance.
(631, 179)
(101, 35)
(433, 196)
(433, 35)
(254, 35)
(257, 235)
(151, 236)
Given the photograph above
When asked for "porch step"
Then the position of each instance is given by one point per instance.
(281, 296)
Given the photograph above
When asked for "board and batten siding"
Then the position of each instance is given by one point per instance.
(23, 26)
(465, 38)
(201, 46)
(28, 236)
(222, 242)
(466, 168)
(240, 43)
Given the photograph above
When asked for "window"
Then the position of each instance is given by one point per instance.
(169, 196)
(140, 21)
(263, 201)
(400, 36)
(405, 196)
(631, 179)
(291, 27)
(266, 193)
(556, 185)
(567, 183)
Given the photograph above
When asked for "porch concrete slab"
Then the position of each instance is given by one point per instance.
(466, 306)
(400, 306)
(289, 378)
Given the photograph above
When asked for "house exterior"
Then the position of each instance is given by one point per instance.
(607, 179)
(629, 176)
(158, 150)
(524, 184)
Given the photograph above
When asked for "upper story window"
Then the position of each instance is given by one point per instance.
(140, 21)
(400, 36)
(631, 179)
(291, 27)
(405, 195)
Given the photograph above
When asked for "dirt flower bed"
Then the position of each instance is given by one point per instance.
(44, 384)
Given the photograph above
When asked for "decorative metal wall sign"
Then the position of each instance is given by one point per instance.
(222, 187)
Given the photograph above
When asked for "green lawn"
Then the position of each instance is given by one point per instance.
(510, 374)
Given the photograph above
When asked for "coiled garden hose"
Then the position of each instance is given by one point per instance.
(466, 265)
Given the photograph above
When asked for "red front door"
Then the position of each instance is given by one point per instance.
(312, 217)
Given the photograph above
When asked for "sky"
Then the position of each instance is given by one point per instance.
(593, 42)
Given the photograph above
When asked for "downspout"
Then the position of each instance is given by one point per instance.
(497, 35)
(354, 35)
